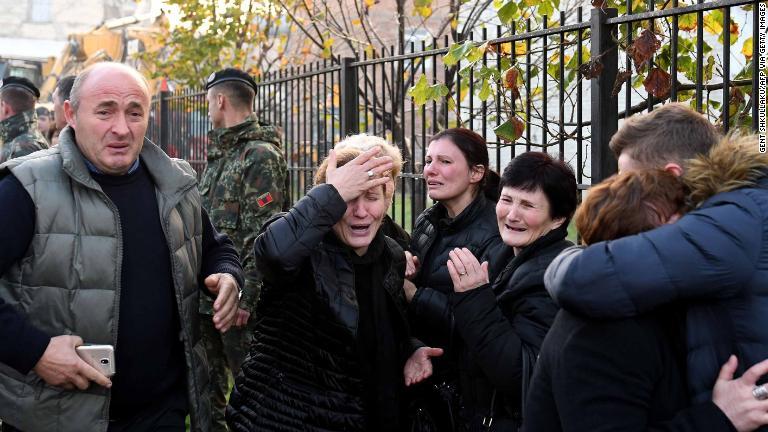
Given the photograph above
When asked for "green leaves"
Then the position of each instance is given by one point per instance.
(422, 92)
(508, 11)
(457, 52)
(212, 35)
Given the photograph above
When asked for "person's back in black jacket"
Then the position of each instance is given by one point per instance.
(622, 375)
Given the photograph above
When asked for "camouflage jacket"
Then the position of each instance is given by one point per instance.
(19, 136)
(242, 186)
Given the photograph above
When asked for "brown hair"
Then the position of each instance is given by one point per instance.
(672, 133)
(18, 99)
(240, 95)
(629, 203)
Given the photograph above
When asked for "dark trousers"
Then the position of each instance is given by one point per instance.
(168, 415)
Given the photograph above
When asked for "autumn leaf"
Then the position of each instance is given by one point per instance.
(598, 3)
(327, 45)
(713, 22)
(735, 101)
(621, 78)
(423, 8)
(687, 22)
(369, 51)
(709, 68)
(510, 78)
(510, 81)
(747, 48)
(510, 130)
(658, 83)
(451, 104)
(734, 33)
(370, 3)
(642, 49)
(591, 69)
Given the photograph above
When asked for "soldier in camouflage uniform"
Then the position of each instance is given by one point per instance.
(18, 122)
(242, 186)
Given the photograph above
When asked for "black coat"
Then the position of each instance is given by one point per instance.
(303, 372)
(496, 323)
(433, 236)
(714, 259)
(624, 375)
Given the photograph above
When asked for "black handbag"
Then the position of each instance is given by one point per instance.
(528, 362)
(433, 406)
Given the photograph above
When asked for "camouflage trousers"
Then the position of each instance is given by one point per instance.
(226, 353)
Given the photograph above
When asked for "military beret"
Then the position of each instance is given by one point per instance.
(20, 82)
(230, 74)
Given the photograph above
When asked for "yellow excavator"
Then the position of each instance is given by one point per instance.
(115, 40)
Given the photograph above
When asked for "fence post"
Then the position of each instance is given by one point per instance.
(349, 98)
(165, 120)
(605, 106)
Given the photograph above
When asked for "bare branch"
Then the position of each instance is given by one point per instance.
(303, 30)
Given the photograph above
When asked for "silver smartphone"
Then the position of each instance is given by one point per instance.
(101, 357)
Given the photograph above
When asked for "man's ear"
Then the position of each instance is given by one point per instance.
(221, 101)
(69, 113)
(674, 169)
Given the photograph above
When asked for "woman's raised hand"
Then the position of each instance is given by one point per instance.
(419, 365)
(411, 265)
(358, 175)
(466, 271)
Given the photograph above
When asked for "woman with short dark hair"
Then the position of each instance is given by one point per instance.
(502, 323)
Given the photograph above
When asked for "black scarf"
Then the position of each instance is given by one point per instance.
(509, 262)
(376, 338)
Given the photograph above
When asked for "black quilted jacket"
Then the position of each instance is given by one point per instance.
(303, 371)
(433, 237)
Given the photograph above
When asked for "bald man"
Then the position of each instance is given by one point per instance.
(109, 244)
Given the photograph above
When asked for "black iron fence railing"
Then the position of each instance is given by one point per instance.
(561, 102)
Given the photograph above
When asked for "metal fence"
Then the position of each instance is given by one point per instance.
(562, 112)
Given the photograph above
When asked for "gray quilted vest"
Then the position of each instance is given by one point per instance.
(69, 280)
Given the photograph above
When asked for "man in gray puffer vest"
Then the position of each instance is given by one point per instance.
(107, 243)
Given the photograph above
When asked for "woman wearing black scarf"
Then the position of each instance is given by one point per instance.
(331, 338)
(502, 324)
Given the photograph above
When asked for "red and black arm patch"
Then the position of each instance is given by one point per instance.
(264, 199)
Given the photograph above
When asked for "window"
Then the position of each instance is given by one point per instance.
(40, 11)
